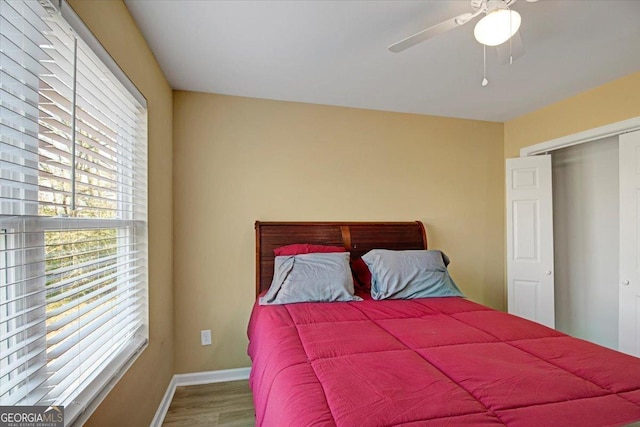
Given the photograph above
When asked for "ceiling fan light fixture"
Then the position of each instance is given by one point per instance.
(497, 26)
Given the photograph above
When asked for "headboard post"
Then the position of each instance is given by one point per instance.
(346, 237)
(258, 263)
(424, 234)
(356, 237)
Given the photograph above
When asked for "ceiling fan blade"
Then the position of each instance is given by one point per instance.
(423, 35)
(511, 49)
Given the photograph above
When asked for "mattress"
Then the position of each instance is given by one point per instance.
(430, 362)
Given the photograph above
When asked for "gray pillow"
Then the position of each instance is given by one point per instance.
(315, 277)
(409, 274)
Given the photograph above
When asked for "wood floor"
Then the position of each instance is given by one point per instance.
(220, 404)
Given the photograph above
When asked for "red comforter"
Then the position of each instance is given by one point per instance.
(430, 362)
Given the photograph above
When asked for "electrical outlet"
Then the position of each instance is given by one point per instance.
(205, 337)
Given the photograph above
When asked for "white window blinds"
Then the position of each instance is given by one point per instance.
(73, 213)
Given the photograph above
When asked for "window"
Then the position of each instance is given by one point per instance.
(73, 211)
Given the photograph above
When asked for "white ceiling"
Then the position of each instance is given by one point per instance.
(335, 53)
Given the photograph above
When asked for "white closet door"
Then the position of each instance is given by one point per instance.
(629, 287)
(530, 239)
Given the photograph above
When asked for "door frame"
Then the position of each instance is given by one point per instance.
(605, 131)
(613, 129)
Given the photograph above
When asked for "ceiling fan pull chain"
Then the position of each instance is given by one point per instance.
(484, 66)
(510, 43)
(510, 53)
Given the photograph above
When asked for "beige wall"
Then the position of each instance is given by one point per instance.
(612, 102)
(134, 400)
(237, 160)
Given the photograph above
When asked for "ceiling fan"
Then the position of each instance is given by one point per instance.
(498, 24)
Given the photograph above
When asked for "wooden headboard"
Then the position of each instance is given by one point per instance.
(356, 237)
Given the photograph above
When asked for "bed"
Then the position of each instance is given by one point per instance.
(420, 362)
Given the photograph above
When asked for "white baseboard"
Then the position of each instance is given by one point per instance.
(164, 404)
(195, 378)
(209, 377)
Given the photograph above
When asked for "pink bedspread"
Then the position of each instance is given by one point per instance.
(430, 362)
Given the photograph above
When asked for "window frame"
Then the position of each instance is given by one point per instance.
(133, 226)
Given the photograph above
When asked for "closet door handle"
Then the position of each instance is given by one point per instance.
(625, 282)
(548, 272)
